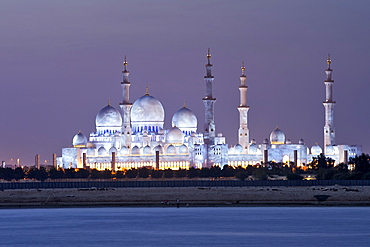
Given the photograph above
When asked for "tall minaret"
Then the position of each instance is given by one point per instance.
(329, 131)
(243, 111)
(209, 101)
(126, 105)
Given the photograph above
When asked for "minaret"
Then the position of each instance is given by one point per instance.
(243, 111)
(126, 105)
(209, 101)
(329, 131)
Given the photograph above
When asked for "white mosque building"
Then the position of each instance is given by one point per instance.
(134, 136)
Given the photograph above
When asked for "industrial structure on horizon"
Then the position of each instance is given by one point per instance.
(135, 137)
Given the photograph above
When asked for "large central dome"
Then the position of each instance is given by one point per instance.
(147, 113)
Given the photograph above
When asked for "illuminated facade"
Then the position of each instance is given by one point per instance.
(135, 136)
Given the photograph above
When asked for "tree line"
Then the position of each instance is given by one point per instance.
(321, 168)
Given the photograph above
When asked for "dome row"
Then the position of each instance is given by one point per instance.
(174, 136)
(146, 111)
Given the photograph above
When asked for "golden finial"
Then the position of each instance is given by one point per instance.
(243, 68)
(328, 61)
(109, 101)
(146, 90)
(184, 104)
(125, 62)
(209, 55)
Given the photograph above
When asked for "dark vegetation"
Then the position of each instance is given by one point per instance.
(321, 168)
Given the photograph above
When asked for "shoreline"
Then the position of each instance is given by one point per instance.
(188, 196)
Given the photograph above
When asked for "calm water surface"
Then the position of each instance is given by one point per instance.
(229, 226)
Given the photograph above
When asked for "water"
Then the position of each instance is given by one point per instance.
(223, 226)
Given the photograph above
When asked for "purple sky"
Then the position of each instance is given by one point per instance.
(60, 61)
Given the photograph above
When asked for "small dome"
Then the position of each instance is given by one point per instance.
(171, 149)
(175, 135)
(135, 150)
(238, 148)
(253, 149)
(147, 150)
(79, 140)
(112, 149)
(288, 141)
(231, 150)
(108, 117)
(301, 142)
(185, 120)
(316, 150)
(266, 141)
(277, 137)
(145, 133)
(124, 151)
(253, 141)
(90, 152)
(159, 148)
(102, 151)
(183, 149)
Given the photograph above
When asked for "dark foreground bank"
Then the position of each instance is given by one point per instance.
(187, 197)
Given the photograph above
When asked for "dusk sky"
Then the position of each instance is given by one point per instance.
(60, 62)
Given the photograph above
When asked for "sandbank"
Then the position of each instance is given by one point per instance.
(188, 197)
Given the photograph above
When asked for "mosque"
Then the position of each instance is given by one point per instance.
(134, 136)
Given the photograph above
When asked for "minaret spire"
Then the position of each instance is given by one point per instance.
(328, 71)
(209, 56)
(243, 133)
(329, 130)
(147, 90)
(125, 72)
(126, 105)
(209, 101)
(125, 64)
(209, 74)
